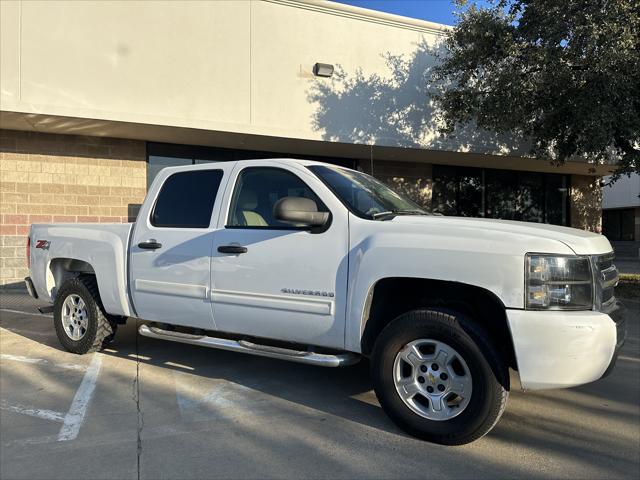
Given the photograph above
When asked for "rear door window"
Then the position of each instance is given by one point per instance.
(186, 199)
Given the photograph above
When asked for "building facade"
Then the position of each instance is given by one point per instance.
(97, 97)
(621, 210)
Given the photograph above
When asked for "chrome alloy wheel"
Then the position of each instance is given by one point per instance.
(432, 379)
(75, 318)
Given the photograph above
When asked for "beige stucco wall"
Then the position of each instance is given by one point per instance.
(48, 178)
(239, 72)
(231, 66)
(220, 65)
(624, 193)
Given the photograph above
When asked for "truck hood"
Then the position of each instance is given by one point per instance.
(580, 241)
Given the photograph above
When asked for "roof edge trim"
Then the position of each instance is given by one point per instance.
(367, 15)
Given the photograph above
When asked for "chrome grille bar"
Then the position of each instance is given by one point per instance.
(605, 279)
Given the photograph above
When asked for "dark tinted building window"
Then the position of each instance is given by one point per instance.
(445, 191)
(556, 198)
(157, 163)
(186, 199)
(618, 224)
(509, 195)
(469, 200)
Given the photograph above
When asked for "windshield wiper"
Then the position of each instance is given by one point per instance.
(393, 213)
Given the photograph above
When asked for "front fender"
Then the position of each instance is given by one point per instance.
(494, 263)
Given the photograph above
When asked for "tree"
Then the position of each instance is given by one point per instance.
(565, 74)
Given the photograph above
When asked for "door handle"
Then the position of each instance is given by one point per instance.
(237, 249)
(150, 245)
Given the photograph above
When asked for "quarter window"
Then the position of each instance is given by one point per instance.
(186, 199)
(257, 191)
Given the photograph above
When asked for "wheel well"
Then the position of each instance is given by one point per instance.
(61, 269)
(394, 296)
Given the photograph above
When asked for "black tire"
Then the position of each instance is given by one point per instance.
(489, 375)
(100, 330)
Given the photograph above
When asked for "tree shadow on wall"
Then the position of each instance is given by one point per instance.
(397, 109)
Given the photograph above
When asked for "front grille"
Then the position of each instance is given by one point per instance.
(605, 279)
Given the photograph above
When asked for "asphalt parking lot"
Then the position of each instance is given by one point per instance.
(150, 409)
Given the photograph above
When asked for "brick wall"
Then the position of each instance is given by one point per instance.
(63, 178)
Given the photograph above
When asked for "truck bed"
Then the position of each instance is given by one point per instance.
(102, 246)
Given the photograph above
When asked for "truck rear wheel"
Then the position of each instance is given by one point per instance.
(438, 376)
(79, 318)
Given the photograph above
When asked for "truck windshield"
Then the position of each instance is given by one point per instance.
(364, 195)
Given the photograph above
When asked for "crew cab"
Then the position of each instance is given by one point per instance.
(313, 263)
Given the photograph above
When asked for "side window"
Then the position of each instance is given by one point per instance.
(186, 199)
(257, 191)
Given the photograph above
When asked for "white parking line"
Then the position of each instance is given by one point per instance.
(32, 412)
(40, 361)
(223, 398)
(27, 333)
(20, 358)
(75, 416)
(8, 310)
(629, 359)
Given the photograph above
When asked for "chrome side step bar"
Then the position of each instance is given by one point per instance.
(244, 346)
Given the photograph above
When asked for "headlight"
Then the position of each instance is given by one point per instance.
(558, 282)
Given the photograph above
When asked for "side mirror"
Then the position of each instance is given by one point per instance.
(299, 211)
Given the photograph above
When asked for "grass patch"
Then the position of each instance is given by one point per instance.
(629, 286)
(630, 278)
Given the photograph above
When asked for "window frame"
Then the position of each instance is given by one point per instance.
(190, 227)
(340, 199)
(269, 227)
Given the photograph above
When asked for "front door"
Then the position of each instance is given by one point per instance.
(171, 246)
(275, 280)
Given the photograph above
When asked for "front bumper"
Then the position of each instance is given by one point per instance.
(621, 335)
(558, 349)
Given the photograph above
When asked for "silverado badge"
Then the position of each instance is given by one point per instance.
(297, 291)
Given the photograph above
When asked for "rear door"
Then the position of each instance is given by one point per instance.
(170, 254)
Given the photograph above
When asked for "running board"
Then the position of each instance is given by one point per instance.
(244, 346)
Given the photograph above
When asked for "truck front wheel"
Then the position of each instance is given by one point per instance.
(79, 317)
(438, 376)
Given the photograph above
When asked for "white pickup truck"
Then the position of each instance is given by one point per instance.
(312, 263)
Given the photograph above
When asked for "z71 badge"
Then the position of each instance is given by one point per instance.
(43, 244)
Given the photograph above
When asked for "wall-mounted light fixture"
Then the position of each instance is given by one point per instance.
(323, 70)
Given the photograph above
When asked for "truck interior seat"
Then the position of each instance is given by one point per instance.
(248, 203)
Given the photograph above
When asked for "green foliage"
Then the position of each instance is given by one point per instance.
(630, 278)
(565, 74)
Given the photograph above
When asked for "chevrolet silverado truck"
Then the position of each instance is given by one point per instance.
(313, 263)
